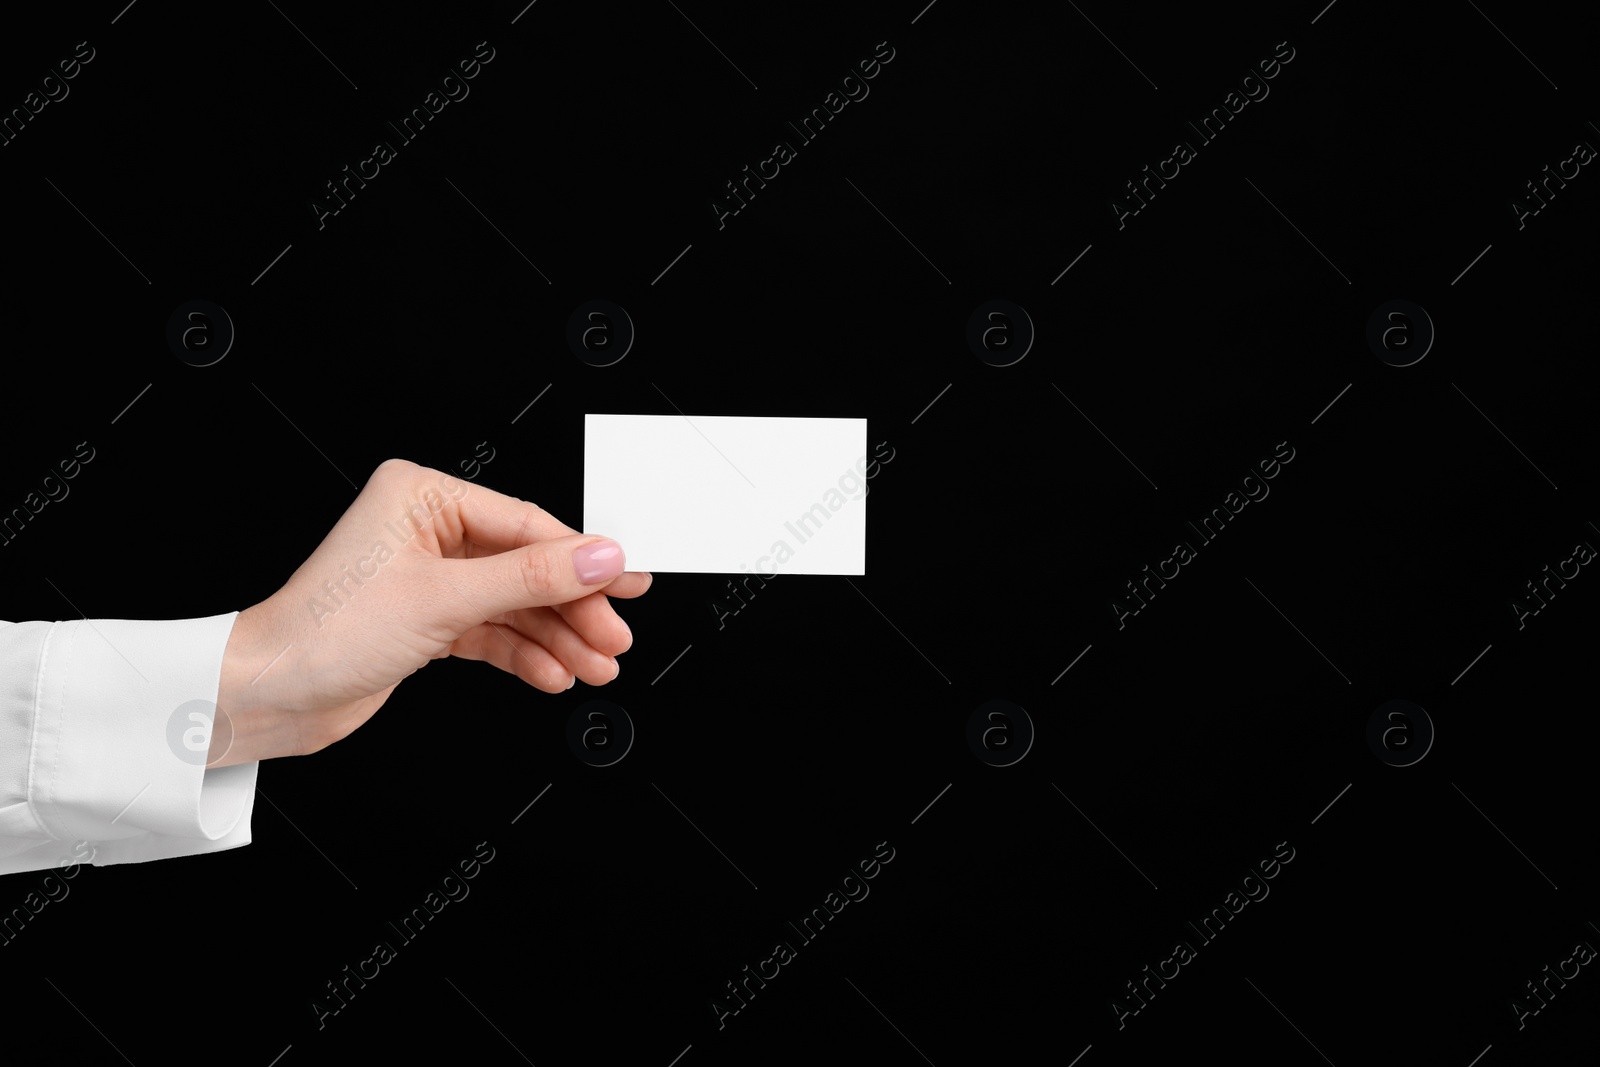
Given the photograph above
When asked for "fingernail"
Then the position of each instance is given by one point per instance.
(573, 682)
(599, 562)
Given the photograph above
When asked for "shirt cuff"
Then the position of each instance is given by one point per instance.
(121, 732)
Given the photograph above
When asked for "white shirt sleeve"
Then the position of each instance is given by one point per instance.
(102, 759)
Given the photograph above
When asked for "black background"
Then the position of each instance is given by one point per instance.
(823, 719)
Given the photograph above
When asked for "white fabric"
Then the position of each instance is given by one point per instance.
(88, 766)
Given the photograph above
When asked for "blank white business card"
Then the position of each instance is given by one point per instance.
(725, 494)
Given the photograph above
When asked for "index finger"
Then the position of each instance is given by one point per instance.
(502, 523)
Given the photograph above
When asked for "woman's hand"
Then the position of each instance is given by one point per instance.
(422, 566)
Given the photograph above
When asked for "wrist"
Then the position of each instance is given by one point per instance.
(248, 726)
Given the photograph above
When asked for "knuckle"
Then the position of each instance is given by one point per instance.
(538, 574)
(393, 469)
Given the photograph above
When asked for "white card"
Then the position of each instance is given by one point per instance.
(724, 494)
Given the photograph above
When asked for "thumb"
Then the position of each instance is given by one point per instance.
(548, 572)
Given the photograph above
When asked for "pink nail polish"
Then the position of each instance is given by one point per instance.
(598, 562)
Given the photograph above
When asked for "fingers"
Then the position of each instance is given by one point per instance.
(501, 523)
(515, 654)
(537, 575)
(630, 584)
(501, 555)
(541, 649)
(596, 621)
(576, 650)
